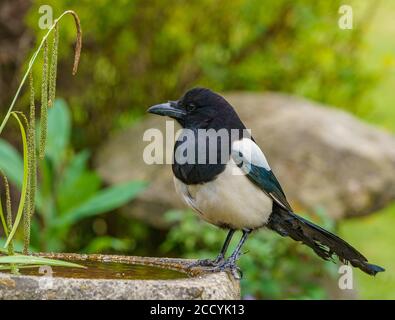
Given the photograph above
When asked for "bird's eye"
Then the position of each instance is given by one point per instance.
(191, 107)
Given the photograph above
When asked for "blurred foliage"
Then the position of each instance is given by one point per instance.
(68, 191)
(274, 267)
(375, 235)
(136, 53)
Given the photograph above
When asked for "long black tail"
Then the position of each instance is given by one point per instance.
(324, 243)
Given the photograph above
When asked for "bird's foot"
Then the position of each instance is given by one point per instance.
(228, 265)
(207, 262)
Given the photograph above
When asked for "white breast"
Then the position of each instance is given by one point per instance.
(230, 200)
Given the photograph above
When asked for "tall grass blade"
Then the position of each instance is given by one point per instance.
(10, 248)
(24, 259)
(25, 181)
(77, 55)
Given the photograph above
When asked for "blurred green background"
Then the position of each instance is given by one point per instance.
(136, 53)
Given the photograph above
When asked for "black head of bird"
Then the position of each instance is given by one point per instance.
(200, 108)
(241, 192)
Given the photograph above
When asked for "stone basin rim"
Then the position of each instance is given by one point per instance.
(199, 285)
(176, 264)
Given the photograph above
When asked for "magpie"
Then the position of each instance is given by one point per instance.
(238, 190)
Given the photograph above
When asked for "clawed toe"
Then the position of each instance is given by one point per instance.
(206, 263)
(222, 265)
(228, 266)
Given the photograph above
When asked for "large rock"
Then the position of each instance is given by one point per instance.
(325, 159)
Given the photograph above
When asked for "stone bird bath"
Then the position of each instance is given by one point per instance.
(118, 277)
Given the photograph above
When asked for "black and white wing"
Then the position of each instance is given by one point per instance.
(250, 158)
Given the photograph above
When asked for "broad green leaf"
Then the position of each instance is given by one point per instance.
(36, 235)
(104, 201)
(11, 163)
(59, 125)
(22, 259)
(76, 177)
(24, 184)
(18, 246)
(105, 243)
(55, 242)
(77, 165)
(47, 176)
(87, 185)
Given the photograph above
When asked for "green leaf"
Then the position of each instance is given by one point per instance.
(11, 163)
(59, 125)
(87, 184)
(18, 246)
(76, 177)
(75, 168)
(105, 243)
(11, 266)
(104, 201)
(24, 184)
(22, 259)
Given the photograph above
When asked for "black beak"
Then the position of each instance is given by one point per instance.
(169, 109)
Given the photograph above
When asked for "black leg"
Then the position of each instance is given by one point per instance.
(230, 263)
(236, 253)
(225, 246)
(219, 258)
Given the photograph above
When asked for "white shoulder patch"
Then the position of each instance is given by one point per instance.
(247, 150)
